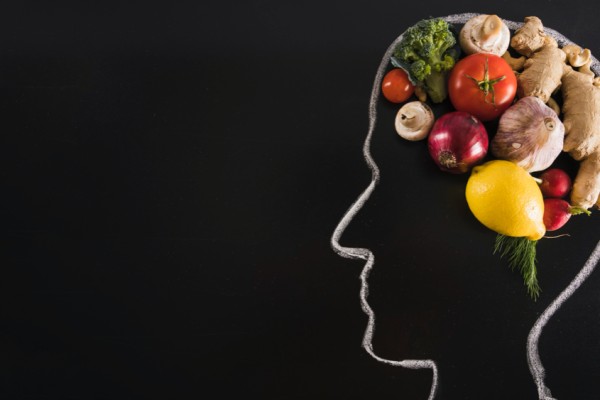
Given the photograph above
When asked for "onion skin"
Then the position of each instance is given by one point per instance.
(457, 142)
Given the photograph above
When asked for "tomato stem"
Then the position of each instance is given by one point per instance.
(486, 85)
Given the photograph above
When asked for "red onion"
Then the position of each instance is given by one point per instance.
(457, 142)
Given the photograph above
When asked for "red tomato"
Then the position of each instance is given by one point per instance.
(483, 85)
(396, 87)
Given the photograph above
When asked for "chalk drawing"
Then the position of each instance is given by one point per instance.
(535, 364)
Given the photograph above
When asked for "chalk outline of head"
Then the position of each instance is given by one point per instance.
(535, 365)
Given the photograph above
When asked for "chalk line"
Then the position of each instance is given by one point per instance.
(533, 356)
(535, 365)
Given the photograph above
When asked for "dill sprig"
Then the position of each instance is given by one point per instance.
(522, 255)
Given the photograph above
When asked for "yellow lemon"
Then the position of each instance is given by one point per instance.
(506, 199)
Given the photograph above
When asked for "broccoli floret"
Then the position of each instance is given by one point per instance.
(427, 51)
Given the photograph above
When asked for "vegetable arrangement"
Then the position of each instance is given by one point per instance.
(520, 82)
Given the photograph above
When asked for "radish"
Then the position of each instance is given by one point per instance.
(555, 183)
(557, 212)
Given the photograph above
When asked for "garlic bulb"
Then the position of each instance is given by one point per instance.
(530, 134)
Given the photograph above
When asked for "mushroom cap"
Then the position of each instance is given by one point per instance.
(475, 36)
(414, 121)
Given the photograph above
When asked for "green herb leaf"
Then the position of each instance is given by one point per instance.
(521, 253)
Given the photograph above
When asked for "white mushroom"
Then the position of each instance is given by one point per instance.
(485, 34)
(414, 121)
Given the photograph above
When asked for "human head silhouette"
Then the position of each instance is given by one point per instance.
(431, 287)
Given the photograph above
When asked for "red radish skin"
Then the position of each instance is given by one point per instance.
(555, 183)
(556, 213)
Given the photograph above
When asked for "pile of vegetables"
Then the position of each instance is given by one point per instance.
(477, 71)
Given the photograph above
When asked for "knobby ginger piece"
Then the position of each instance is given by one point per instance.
(515, 63)
(581, 108)
(586, 188)
(530, 37)
(544, 67)
(542, 73)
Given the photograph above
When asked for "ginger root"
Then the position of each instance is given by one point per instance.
(576, 56)
(586, 188)
(543, 69)
(515, 63)
(581, 108)
(530, 37)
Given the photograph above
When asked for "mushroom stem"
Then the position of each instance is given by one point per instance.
(409, 119)
(491, 27)
(414, 120)
(484, 34)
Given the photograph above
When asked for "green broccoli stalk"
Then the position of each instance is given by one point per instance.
(427, 52)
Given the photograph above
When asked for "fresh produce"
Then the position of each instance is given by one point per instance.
(515, 63)
(557, 212)
(544, 68)
(529, 134)
(586, 187)
(507, 200)
(414, 121)
(555, 183)
(576, 56)
(396, 87)
(544, 71)
(521, 253)
(581, 110)
(457, 141)
(484, 34)
(427, 51)
(483, 85)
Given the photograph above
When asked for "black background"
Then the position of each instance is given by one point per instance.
(172, 174)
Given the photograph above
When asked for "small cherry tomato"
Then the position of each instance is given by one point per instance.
(483, 85)
(396, 86)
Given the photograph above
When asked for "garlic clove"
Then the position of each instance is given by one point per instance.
(529, 134)
(414, 121)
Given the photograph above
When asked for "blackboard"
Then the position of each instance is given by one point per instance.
(173, 174)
